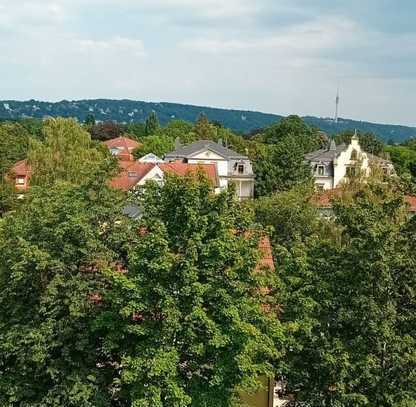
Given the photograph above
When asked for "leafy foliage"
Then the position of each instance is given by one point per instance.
(66, 154)
(189, 317)
(55, 248)
(351, 305)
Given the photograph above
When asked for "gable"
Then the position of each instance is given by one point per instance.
(206, 154)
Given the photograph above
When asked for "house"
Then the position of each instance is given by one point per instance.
(232, 167)
(135, 173)
(122, 147)
(20, 174)
(336, 163)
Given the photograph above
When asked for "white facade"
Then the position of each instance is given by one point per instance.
(333, 166)
(232, 168)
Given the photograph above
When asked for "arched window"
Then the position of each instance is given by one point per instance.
(354, 155)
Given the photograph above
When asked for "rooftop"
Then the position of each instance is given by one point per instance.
(201, 145)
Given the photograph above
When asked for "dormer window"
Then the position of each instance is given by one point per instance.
(115, 151)
(20, 181)
(240, 168)
(320, 169)
(132, 174)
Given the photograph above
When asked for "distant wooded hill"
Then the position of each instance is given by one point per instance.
(136, 111)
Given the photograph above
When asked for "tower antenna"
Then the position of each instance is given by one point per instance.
(336, 106)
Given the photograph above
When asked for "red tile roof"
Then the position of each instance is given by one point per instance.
(132, 172)
(324, 199)
(125, 145)
(180, 168)
(20, 170)
(411, 200)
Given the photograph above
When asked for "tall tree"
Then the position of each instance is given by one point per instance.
(204, 129)
(352, 305)
(189, 316)
(152, 124)
(66, 154)
(89, 120)
(56, 249)
(280, 167)
(308, 138)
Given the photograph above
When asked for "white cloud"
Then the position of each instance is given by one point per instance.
(113, 47)
(305, 39)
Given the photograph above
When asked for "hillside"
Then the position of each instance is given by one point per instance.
(137, 111)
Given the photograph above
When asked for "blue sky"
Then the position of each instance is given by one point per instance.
(279, 56)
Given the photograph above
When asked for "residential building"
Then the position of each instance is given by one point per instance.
(122, 147)
(232, 167)
(134, 174)
(336, 163)
(20, 174)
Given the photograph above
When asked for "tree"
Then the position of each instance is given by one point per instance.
(189, 316)
(152, 124)
(281, 166)
(204, 129)
(66, 154)
(14, 143)
(178, 129)
(157, 144)
(308, 138)
(291, 214)
(89, 120)
(56, 249)
(106, 131)
(351, 304)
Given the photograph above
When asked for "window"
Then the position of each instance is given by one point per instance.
(320, 187)
(354, 155)
(352, 171)
(115, 151)
(20, 181)
(240, 168)
(132, 174)
(321, 170)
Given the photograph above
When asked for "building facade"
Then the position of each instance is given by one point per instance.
(336, 163)
(232, 167)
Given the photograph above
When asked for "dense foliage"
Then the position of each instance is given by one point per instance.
(172, 309)
(130, 111)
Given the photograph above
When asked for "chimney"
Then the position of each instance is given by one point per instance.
(220, 142)
(178, 144)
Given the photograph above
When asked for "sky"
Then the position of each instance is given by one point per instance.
(276, 56)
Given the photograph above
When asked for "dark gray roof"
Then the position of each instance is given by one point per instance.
(326, 154)
(192, 149)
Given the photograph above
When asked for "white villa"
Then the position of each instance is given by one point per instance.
(333, 165)
(232, 167)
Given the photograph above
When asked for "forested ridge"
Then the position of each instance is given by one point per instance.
(242, 121)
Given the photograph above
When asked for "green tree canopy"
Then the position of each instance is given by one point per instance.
(157, 144)
(281, 166)
(188, 318)
(152, 124)
(66, 154)
(55, 249)
(352, 307)
(307, 137)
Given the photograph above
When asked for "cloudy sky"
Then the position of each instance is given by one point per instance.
(278, 56)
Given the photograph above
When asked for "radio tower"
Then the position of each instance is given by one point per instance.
(336, 107)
